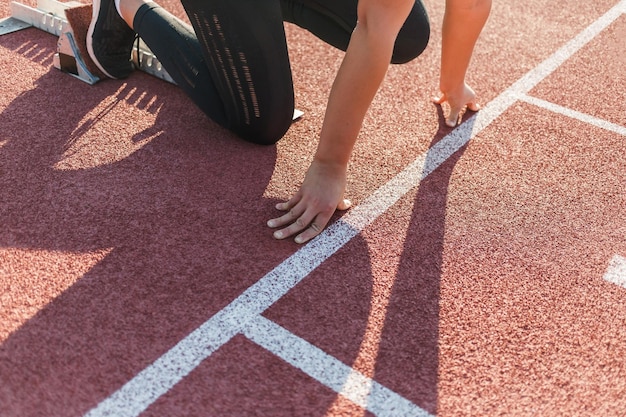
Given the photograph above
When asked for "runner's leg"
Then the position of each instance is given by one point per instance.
(233, 63)
(334, 20)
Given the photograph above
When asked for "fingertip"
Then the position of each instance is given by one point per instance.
(474, 106)
(345, 204)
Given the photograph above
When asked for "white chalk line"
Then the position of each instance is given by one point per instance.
(147, 386)
(328, 370)
(537, 74)
(565, 111)
(616, 272)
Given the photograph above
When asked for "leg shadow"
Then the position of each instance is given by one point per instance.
(176, 225)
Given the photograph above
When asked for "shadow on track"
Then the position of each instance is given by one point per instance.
(180, 220)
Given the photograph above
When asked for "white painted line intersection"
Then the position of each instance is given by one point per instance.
(331, 372)
(243, 314)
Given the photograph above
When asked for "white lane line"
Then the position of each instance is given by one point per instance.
(331, 372)
(148, 385)
(537, 74)
(158, 378)
(154, 381)
(616, 273)
(586, 118)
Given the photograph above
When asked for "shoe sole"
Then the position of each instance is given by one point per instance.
(92, 25)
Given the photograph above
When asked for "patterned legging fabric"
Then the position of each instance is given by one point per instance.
(233, 62)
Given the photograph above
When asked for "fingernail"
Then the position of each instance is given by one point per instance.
(299, 239)
(278, 235)
(270, 223)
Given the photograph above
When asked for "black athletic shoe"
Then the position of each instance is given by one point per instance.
(110, 40)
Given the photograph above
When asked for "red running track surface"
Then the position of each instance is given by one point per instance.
(482, 270)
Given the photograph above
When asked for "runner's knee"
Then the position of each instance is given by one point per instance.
(413, 37)
(266, 130)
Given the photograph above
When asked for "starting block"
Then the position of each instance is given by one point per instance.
(50, 16)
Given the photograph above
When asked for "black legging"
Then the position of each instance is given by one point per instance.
(234, 64)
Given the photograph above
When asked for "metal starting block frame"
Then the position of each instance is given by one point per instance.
(49, 16)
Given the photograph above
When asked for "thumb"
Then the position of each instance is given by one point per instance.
(440, 98)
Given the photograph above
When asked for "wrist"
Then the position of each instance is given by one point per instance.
(455, 88)
(333, 153)
(331, 164)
